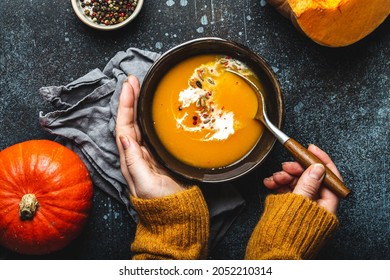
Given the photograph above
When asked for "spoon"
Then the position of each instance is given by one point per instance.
(301, 154)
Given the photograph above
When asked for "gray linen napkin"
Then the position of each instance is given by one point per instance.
(84, 120)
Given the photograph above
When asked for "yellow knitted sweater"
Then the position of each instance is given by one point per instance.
(177, 227)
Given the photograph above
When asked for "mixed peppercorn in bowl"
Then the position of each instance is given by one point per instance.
(107, 14)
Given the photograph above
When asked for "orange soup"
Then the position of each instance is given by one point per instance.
(203, 115)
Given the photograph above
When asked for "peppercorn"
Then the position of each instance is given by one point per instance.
(108, 12)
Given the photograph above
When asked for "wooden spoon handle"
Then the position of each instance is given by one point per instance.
(306, 158)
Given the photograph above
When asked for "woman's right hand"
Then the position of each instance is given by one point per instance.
(294, 178)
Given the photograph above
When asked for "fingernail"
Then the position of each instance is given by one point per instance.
(278, 173)
(268, 180)
(124, 141)
(312, 146)
(317, 171)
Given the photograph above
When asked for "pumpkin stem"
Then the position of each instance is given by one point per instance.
(28, 206)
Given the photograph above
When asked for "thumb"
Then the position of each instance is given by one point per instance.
(309, 183)
(134, 161)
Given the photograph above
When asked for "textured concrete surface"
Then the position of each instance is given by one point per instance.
(338, 99)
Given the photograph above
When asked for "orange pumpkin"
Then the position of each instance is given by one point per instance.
(45, 197)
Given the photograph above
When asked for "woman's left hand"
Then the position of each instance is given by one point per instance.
(144, 176)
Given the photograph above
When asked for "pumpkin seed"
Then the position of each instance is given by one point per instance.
(223, 61)
(202, 102)
(200, 74)
(210, 81)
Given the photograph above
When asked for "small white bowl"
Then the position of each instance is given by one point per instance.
(76, 4)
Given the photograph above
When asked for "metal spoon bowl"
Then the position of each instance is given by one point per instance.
(301, 154)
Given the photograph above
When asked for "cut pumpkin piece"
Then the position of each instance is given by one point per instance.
(334, 23)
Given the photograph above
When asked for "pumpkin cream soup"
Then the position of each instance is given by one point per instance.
(203, 115)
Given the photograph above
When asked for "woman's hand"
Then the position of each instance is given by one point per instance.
(145, 177)
(294, 178)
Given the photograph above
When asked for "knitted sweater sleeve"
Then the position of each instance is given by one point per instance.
(291, 227)
(172, 227)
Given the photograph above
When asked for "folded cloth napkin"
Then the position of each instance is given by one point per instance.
(84, 121)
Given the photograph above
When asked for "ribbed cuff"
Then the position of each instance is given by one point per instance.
(292, 227)
(175, 226)
(158, 211)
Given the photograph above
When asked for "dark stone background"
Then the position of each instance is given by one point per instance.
(336, 98)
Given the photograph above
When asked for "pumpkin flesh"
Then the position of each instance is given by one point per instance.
(334, 23)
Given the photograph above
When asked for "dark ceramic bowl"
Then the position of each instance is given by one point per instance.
(273, 97)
